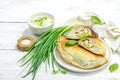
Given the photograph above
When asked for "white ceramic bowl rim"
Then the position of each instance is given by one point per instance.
(38, 14)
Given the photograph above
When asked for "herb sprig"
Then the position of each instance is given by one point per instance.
(96, 19)
(71, 42)
(113, 67)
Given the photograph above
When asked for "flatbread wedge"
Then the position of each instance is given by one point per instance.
(94, 45)
(80, 30)
(78, 56)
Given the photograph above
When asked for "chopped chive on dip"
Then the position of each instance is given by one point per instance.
(40, 20)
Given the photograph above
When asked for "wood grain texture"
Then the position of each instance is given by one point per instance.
(14, 14)
(9, 55)
(10, 68)
(10, 32)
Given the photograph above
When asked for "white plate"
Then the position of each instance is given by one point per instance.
(67, 66)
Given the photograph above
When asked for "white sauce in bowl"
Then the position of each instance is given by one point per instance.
(45, 23)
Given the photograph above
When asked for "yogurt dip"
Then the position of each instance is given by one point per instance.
(41, 21)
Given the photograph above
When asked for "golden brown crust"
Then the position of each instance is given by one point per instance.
(97, 44)
(70, 54)
(101, 46)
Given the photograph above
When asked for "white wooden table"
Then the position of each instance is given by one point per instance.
(13, 17)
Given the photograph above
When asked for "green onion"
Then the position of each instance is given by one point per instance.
(59, 71)
(41, 50)
(56, 71)
(63, 71)
(96, 19)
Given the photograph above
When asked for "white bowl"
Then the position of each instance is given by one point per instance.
(39, 30)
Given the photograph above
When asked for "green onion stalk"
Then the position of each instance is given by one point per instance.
(41, 50)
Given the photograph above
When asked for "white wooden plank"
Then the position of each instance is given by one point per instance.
(20, 10)
(10, 70)
(11, 32)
